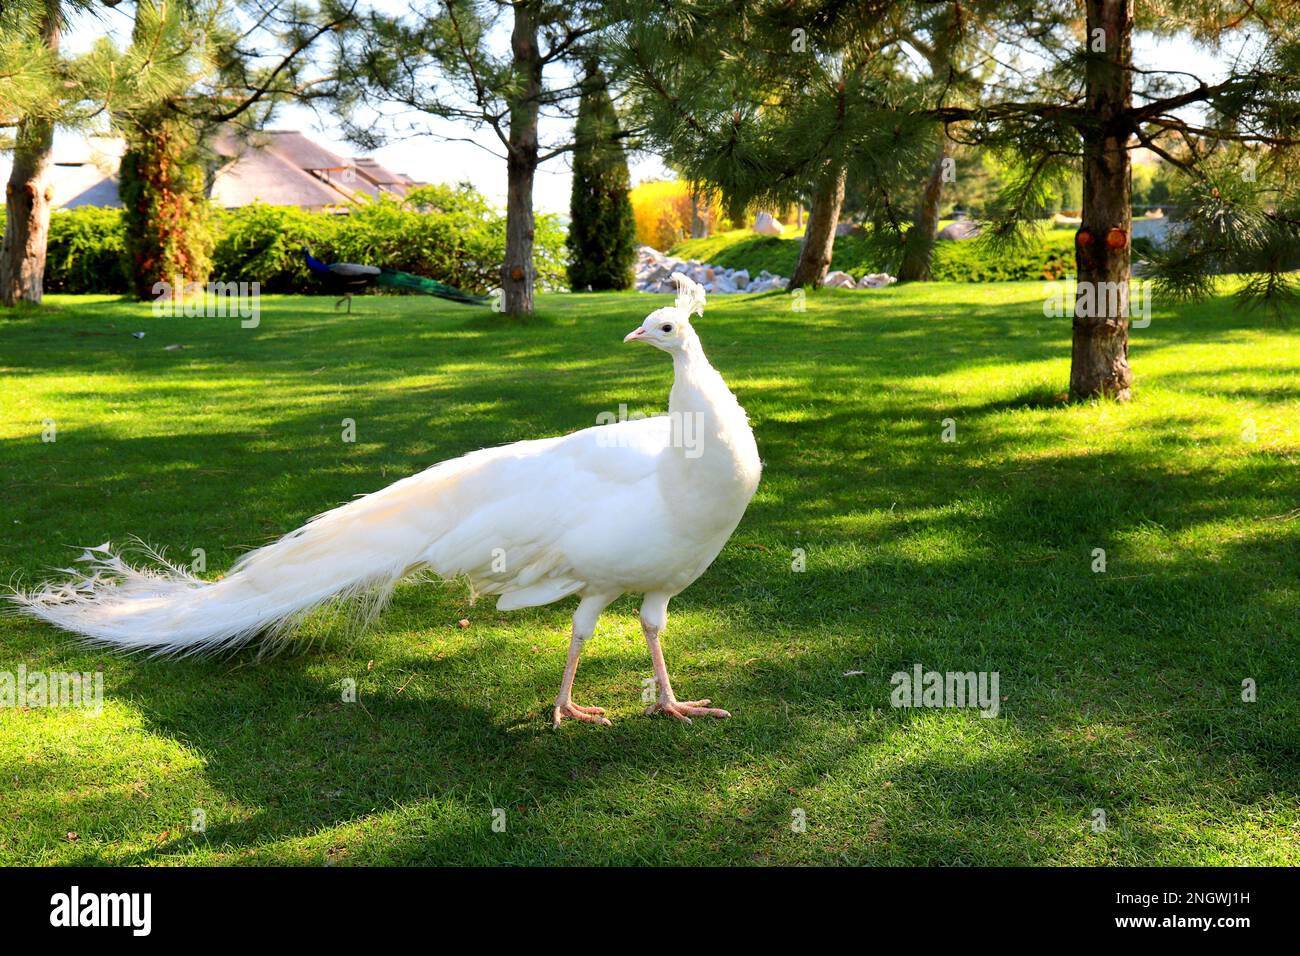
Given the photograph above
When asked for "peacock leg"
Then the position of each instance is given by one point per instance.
(584, 625)
(654, 615)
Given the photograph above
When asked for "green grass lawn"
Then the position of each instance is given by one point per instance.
(1122, 689)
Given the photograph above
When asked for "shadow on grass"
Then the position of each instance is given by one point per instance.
(1122, 688)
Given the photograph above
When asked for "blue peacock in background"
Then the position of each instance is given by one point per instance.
(346, 278)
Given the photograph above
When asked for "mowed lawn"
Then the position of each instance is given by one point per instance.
(1121, 690)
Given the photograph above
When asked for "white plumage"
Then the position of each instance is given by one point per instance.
(637, 507)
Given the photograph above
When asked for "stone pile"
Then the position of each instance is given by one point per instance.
(842, 280)
(654, 269)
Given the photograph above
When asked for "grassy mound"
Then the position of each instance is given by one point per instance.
(1051, 257)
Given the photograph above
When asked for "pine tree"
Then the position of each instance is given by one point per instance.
(602, 228)
(1090, 107)
(1060, 95)
(761, 101)
(213, 82)
(31, 103)
(445, 62)
(188, 68)
(42, 88)
(940, 36)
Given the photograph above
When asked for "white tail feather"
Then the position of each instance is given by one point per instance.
(361, 549)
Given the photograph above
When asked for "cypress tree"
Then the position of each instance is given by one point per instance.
(160, 180)
(165, 209)
(602, 230)
(212, 76)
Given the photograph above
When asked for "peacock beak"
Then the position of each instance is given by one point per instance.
(637, 333)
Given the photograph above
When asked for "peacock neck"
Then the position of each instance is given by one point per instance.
(712, 445)
(698, 389)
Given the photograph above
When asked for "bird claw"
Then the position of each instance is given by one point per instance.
(684, 710)
(590, 715)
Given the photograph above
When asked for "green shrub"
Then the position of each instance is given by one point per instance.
(752, 252)
(1143, 247)
(969, 260)
(86, 251)
(263, 244)
(448, 233)
(451, 234)
(166, 217)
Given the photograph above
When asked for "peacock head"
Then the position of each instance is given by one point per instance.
(670, 328)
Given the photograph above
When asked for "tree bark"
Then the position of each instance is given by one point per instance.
(1099, 357)
(917, 252)
(698, 230)
(518, 274)
(819, 238)
(27, 198)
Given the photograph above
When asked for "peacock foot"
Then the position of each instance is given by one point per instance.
(592, 715)
(684, 710)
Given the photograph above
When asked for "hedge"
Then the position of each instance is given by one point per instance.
(86, 251)
(447, 233)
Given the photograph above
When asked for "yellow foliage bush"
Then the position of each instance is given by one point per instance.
(663, 213)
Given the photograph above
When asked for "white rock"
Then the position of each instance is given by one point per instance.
(965, 229)
(876, 280)
(654, 270)
(838, 280)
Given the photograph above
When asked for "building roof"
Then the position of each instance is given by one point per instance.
(276, 167)
(301, 151)
(102, 191)
(257, 169)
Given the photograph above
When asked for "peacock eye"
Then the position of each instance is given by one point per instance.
(666, 328)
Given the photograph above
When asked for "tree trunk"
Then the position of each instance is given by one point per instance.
(698, 230)
(1099, 358)
(27, 198)
(517, 273)
(819, 238)
(917, 252)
